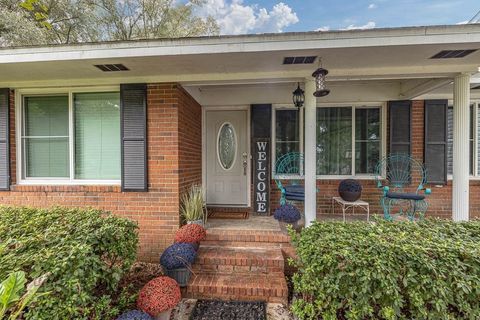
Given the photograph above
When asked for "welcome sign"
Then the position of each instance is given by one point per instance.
(261, 180)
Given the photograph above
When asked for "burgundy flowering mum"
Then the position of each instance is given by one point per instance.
(190, 233)
(159, 295)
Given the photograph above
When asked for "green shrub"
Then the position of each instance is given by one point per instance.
(427, 270)
(85, 251)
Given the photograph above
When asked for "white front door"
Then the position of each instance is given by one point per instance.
(226, 158)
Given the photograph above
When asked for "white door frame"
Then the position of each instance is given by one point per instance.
(204, 148)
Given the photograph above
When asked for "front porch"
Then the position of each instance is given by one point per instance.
(339, 147)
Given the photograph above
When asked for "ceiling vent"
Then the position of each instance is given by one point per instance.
(299, 60)
(111, 67)
(448, 54)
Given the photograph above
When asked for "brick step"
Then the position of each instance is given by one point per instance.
(270, 288)
(238, 260)
(248, 236)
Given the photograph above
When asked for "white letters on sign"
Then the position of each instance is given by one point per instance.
(262, 176)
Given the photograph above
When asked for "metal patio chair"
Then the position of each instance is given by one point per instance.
(404, 181)
(287, 166)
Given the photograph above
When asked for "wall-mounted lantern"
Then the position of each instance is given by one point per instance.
(298, 97)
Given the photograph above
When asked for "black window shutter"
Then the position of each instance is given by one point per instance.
(133, 110)
(261, 120)
(436, 137)
(400, 126)
(4, 139)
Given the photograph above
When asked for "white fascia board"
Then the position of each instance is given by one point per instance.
(463, 34)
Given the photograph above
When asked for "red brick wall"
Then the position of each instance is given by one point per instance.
(190, 137)
(174, 120)
(440, 201)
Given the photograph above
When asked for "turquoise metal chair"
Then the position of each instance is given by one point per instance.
(405, 180)
(287, 166)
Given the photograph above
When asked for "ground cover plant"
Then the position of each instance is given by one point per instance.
(85, 252)
(387, 270)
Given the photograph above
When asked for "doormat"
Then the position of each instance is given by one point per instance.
(231, 310)
(240, 215)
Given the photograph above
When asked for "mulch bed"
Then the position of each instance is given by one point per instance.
(140, 274)
(231, 310)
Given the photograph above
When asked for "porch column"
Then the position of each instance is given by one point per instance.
(461, 148)
(310, 153)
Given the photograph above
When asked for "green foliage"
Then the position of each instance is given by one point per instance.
(35, 22)
(38, 12)
(85, 252)
(386, 270)
(191, 208)
(108, 307)
(12, 302)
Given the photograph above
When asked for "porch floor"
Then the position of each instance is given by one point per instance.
(262, 223)
(252, 223)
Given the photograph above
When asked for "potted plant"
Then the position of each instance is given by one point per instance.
(176, 261)
(288, 214)
(135, 315)
(191, 233)
(158, 297)
(350, 190)
(192, 206)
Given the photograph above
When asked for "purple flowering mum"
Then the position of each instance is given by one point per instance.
(135, 315)
(287, 213)
(178, 255)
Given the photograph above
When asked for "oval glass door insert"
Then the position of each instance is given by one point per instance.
(226, 146)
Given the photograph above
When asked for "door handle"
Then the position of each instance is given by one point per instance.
(245, 163)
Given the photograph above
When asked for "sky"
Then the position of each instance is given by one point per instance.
(260, 16)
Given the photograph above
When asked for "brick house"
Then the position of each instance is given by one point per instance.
(129, 126)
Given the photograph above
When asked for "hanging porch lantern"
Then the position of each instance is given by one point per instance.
(298, 97)
(319, 76)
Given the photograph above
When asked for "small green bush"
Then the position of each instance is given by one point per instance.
(85, 251)
(385, 270)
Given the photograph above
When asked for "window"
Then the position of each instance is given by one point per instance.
(97, 135)
(287, 132)
(71, 137)
(474, 147)
(346, 131)
(46, 137)
(367, 140)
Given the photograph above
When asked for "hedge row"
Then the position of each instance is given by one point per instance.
(86, 253)
(385, 270)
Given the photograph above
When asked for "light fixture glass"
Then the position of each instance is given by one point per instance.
(320, 75)
(298, 97)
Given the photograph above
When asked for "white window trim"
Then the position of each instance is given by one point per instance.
(19, 97)
(354, 106)
(476, 129)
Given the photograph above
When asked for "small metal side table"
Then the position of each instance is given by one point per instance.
(347, 205)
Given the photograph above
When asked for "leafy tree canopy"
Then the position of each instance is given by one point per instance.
(33, 22)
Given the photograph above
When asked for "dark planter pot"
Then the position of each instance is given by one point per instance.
(195, 245)
(181, 275)
(350, 196)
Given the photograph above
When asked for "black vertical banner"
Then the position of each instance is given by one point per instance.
(261, 180)
(261, 120)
